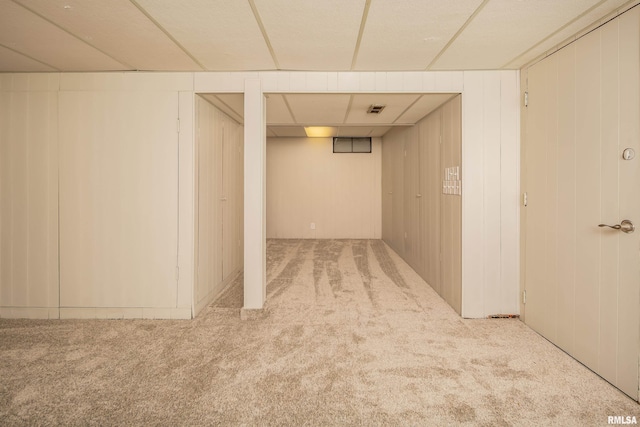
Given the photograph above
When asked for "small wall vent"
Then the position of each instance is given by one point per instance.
(375, 109)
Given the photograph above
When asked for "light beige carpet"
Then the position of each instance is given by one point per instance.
(350, 336)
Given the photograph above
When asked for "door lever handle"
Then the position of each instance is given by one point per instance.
(615, 227)
(625, 226)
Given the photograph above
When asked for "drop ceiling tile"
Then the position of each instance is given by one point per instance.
(288, 131)
(407, 35)
(12, 61)
(504, 29)
(277, 111)
(27, 33)
(319, 108)
(355, 131)
(395, 105)
(221, 34)
(576, 26)
(425, 105)
(118, 28)
(312, 34)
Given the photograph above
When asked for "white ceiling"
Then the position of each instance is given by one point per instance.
(240, 35)
(306, 35)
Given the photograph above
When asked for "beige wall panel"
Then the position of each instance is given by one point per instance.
(411, 199)
(387, 192)
(308, 183)
(566, 235)
(629, 120)
(398, 226)
(186, 190)
(209, 134)
(588, 187)
(219, 201)
(232, 192)
(609, 208)
(28, 200)
(492, 197)
(536, 173)
(430, 188)
(432, 222)
(451, 208)
(118, 199)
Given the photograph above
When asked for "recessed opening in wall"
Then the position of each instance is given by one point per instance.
(394, 193)
(343, 144)
(219, 199)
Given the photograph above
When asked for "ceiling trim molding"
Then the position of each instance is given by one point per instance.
(168, 34)
(30, 57)
(263, 30)
(363, 23)
(81, 39)
(457, 34)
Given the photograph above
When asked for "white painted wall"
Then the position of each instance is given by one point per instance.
(490, 145)
(308, 183)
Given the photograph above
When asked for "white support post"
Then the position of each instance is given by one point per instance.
(255, 154)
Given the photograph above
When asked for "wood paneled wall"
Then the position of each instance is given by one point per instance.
(490, 139)
(29, 204)
(219, 201)
(307, 183)
(421, 223)
(118, 200)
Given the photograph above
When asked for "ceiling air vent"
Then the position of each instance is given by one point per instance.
(375, 109)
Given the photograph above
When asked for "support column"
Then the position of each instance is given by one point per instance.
(255, 155)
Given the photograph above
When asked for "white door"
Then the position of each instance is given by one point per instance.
(582, 278)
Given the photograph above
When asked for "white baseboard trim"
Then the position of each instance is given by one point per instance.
(29, 313)
(124, 313)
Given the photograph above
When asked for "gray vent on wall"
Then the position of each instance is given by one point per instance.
(343, 144)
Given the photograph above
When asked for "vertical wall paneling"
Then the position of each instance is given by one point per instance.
(581, 280)
(387, 192)
(451, 207)
(186, 189)
(473, 145)
(492, 194)
(218, 201)
(307, 183)
(29, 203)
(397, 239)
(588, 189)
(469, 83)
(431, 220)
(255, 158)
(567, 145)
(509, 189)
(118, 199)
(629, 56)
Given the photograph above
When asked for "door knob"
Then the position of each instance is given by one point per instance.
(625, 226)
